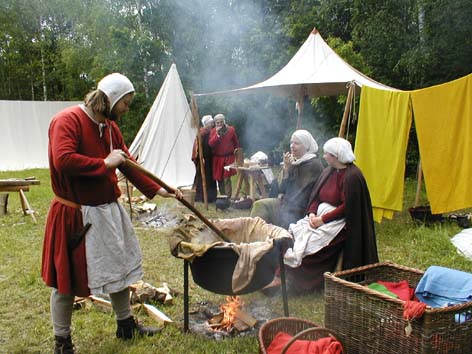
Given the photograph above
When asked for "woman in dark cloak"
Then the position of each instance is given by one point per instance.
(338, 218)
(208, 124)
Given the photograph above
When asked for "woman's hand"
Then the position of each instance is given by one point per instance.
(178, 194)
(165, 194)
(315, 221)
(287, 160)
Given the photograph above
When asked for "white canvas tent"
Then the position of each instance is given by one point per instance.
(163, 144)
(24, 139)
(315, 70)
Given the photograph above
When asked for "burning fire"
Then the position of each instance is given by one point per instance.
(231, 319)
(228, 313)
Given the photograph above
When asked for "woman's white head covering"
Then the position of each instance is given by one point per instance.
(341, 149)
(219, 116)
(207, 120)
(115, 86)
(307, 140)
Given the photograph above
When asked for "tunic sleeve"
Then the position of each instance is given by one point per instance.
(332, 192)
(213, 138)
(335, 214)
(64, 137)
(313, 208)
(336, 197)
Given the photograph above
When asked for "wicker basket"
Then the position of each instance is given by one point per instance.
(296, 327)
(370, 322)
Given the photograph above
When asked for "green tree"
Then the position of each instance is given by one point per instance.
(382, 31)
(442, 52)
(59, 49)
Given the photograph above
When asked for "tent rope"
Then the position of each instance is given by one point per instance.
(175, 141)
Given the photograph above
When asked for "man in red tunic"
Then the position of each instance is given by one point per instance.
(223, 141)
(89, 244)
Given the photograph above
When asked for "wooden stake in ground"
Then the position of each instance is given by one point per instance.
(420, 181)
(196, 119)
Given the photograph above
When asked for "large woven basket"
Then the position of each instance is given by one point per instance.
(297, 327)
(370, 322)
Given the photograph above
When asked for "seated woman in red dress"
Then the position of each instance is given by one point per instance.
(338, 217)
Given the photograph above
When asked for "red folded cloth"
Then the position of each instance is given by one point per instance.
(401, 288)
(326, 345)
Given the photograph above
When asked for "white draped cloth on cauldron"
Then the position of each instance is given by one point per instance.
(251, 239)
(308, 240)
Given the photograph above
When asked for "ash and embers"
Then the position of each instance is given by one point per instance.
(159, 219)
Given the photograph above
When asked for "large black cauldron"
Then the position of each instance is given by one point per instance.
(214, 270)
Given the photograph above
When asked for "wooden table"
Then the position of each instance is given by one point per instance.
(21, 186)
(253, 178)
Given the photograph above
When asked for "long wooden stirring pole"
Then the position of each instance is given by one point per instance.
(168, 188)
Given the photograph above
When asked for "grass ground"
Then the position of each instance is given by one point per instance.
(24, 302)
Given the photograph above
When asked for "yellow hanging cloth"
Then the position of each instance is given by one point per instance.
(443, 118)
(382, 138)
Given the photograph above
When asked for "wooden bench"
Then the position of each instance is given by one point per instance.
(21, 186)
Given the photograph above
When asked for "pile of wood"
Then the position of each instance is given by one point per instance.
(141, 294)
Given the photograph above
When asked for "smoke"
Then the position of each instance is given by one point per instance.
(218, 41)
(235, 44)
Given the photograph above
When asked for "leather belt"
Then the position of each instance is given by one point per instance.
(67, 202)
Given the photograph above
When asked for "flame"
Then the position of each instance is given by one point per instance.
(229, 309)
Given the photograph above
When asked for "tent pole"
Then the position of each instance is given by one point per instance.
(347, 108)
(300, 112)
(419, 183)
(196, 118)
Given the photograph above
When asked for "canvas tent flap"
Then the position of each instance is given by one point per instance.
(315, 70)
(163, 144)
(24, 125)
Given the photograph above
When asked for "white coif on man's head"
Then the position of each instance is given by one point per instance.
(115, 86)
(207, 120)
(307, 140)
(219, 116)
(341, 149)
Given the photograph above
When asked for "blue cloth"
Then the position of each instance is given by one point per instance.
(441, 286)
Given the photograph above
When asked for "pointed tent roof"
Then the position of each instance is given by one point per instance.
(163, 144)
(315, 70)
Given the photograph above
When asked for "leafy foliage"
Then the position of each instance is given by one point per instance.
(59, 49)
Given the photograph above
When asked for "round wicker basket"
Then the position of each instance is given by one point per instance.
(296, 327)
